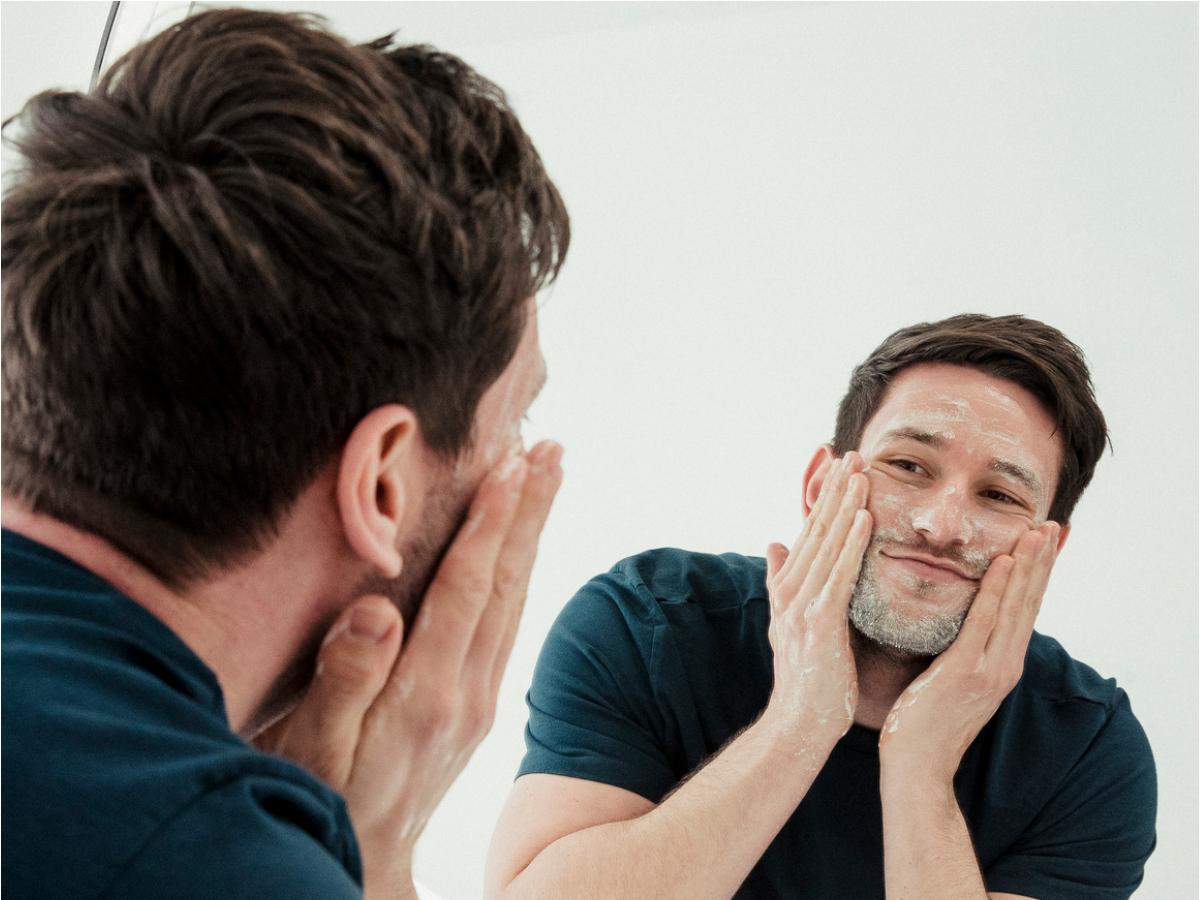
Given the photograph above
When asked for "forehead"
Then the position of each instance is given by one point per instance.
(973, 412)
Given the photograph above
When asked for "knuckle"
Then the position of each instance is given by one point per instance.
(441, 711)
(507, 582)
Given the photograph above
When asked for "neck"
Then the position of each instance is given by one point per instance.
(883, 674)
(252, 625)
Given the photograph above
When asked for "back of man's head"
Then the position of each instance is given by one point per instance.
(1037, 356)
(249, 235)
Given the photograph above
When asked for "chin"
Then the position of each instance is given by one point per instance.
(907, 625)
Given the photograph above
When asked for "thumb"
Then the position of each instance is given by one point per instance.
(353, 665)
(776, 557)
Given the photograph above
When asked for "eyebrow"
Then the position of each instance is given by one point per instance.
(912, 434)
(1020, 473)
(1001, 466)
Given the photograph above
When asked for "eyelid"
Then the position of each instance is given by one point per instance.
(912, 462)
(1013, 499)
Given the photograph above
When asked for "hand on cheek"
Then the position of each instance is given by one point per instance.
(389, 730)
(943, 710)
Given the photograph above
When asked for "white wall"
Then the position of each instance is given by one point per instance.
(759, 194)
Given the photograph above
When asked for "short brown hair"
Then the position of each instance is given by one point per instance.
(250, 234)
(1030, 353)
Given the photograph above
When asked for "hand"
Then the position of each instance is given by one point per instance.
(391, 735)
(816, 685)
(937, 717)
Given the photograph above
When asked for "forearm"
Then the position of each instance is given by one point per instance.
(700, 842)
(927, 850)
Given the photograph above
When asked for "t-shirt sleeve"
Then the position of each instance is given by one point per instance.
(592, 708)
(1093, 838)
(251, 838)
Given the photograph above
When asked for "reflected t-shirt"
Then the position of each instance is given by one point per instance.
(652, 667)
(121, 777)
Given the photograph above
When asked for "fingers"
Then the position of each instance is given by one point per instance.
(353, 665)
(459, 593)
(845, 571)
(497, 629)
(816, 579)
(1032, 561)
(825, 509)
(776, 556)
(981, 620)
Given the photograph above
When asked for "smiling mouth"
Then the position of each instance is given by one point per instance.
(929, 568)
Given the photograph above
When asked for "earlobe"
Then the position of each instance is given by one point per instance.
(814, 475)
(1062, 537)
(371, 486)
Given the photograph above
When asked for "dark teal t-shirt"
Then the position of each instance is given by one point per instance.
(652, 667)
(121, 777)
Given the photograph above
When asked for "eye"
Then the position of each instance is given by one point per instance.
(1001, 497)
(908, 465)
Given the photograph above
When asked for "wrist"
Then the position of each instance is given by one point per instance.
(389, 876)
(910, 781)
(798, 736)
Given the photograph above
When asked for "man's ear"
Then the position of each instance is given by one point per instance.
(372, 489)
(814, 475)
(1062, 536)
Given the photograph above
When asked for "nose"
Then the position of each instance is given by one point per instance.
(944, 518)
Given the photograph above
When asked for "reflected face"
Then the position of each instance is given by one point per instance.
(497, 433)
(961, 464)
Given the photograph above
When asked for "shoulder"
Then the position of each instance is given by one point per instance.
(1053, 674)
(670, 576)
(1059, 690)
(260, 833)
(664, 588)
(117, 736)
(1078, 724)
(1066, 799)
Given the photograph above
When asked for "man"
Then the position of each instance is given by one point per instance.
(870, 713)
(269, 335)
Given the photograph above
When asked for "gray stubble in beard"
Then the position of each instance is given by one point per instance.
(876, 618)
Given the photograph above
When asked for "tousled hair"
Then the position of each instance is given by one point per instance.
(1025, 351)
(246, 237)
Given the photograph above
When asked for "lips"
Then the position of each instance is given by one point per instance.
(932, 568)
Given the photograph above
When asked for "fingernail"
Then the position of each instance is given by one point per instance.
(370, 623)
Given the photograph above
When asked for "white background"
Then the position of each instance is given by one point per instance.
(759, 194)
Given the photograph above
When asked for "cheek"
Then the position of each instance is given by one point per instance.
(997, 534)
(889, 504)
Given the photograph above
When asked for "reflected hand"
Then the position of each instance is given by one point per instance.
(816, 684)
(937, 717)
(392, 734)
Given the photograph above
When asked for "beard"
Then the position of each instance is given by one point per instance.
(877, 617)
(444, 510)
(446, 505)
